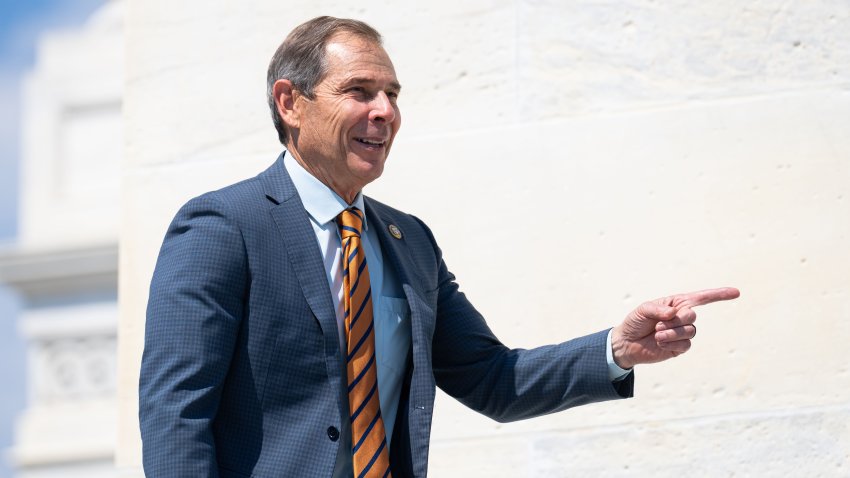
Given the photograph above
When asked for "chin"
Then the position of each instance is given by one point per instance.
(374, 173)
(367, 165)
(369, 174)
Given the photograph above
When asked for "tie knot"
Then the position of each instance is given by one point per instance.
(350, 223)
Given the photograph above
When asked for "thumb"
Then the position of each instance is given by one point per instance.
(655, 311)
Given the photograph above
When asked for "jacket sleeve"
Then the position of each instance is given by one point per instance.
(505, 384)
(194, 311)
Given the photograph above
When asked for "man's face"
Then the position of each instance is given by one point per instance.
(345, 133)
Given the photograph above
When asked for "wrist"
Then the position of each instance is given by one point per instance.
(618, 350)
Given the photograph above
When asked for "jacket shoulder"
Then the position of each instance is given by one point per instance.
(237, 192)
(390, 213)
(240, 197)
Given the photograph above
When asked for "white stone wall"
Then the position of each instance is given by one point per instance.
(634, 149)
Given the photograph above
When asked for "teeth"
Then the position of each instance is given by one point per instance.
(368, 141)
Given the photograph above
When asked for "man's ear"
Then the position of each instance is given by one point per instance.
(286, 100)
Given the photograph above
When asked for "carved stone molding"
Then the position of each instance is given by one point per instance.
(40, 273)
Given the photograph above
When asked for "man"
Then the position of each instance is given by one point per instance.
(298, 328)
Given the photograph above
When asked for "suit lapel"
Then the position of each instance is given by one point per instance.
(299, 240)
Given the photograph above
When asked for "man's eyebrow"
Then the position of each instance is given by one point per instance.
(395, 85)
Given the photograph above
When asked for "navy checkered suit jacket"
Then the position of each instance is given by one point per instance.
(242, 372)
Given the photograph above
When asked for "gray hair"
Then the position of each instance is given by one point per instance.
(301, 58)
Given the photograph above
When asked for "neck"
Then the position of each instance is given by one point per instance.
(348, 194)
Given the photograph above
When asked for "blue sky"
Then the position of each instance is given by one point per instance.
(21, 22)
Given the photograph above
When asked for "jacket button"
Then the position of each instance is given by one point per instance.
(333, 433)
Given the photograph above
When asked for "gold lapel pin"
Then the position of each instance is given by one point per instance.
(395, 231)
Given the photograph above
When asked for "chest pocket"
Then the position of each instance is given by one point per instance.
(392, 334)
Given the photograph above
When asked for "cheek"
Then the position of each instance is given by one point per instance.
(397, 120)
(344, 109)
(334, 122)
(342, 122)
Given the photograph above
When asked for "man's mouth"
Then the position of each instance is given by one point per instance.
(370, 142)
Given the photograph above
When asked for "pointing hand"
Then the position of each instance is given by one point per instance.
(662, 328)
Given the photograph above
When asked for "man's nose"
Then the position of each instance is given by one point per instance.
(382, 108)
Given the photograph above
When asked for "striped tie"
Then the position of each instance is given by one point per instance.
(368, 438)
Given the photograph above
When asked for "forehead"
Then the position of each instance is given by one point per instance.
(349, 55)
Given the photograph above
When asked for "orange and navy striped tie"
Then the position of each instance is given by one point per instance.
(368, 438)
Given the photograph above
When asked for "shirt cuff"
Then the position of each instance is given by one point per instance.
(615, 373)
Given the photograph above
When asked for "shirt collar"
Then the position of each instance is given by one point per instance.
(321, 202)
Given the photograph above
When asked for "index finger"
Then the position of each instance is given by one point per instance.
(707, 296)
